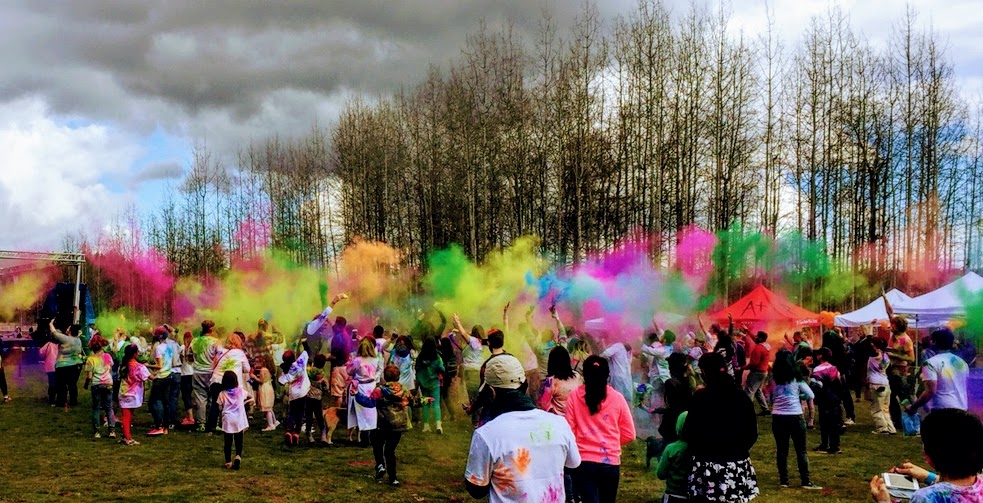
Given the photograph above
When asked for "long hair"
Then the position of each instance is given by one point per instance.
(129, 355)
(234, 341)
(783, 371)
(366, 348)
(713, 368)
(229, 380)
(428, 353)
(558, 364)
(596, 373)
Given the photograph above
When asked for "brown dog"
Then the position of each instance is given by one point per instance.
(333, 416)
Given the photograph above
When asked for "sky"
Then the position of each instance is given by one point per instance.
(102, 101)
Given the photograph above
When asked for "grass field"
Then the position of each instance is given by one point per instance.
(50, 455)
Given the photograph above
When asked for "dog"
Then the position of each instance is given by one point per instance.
(334, 416)
(653, 449)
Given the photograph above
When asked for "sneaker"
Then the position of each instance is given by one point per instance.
(97, 435)
(200, 428)
(783, 484)
(187, 421)
(276, 424)
(155, 432)
(310, 438)
(394, 483)
(834, 451)
(269, 428)
(811, 487)
(426, 428)
(105, 423)
(165, 431)
(228, 465)
(112, 434)
(130, 441)
(849, 422)
(236, 463)
(380, 471)
(7, 399)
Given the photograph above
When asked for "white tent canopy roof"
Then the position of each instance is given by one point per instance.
(941, 304)
(873, 312)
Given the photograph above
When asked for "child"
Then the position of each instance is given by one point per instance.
(315, 373)
(826, 385)
(674, 466)
(294, 377)
(390, 401)
(266, 396)
(98, 373)
(232, 400)
(49, 352)
(132, 374)
(339, 377)
(429, 369)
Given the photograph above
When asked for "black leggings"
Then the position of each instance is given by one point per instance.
(315, 418)
(229, 438)
(597, 482)
(68, 384)
(3, 382)
(384, 447)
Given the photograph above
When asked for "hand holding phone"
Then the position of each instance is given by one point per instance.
(900, 486)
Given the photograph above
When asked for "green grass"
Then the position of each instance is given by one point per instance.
(49, 455)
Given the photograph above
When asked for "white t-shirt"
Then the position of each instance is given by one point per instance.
(877, 369)
(164, 353)
(472, 354)
(619, 361)
(234, 418)
(950, 372)
(521, 455)
(659, 366)
(234, 360)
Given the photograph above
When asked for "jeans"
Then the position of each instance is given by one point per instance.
(794, 428)
(102, 401)
(431, 409)
(68, 384)
(173, 393)
(596, 482)
(754, 388)
(830, 422)
(880, 408)
(200, 383)
(384, 444)
(159, 406)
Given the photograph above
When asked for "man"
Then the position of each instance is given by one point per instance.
(944, 377)
(619, 360)
(204, 347)
(520, 454)
(757, 367)
(174, 391)
(160, 407)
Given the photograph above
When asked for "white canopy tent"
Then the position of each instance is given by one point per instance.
(938, 306)
(873, 312)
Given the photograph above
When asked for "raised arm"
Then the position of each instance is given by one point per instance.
(464, 337)
(887, 305)
(505, 316)
(560, 329)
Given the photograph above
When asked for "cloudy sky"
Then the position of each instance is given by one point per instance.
(101, 101)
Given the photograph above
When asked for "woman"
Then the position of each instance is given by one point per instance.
(234, 359)
(560, 382)
(720, 429)
(403, 356)
(364, 371)
(429, 368)
(678, 394)
(601, 422)
(786, 418)
(880, 390)
(68, 367)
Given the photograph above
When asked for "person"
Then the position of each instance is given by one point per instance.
(232, 359)
(901, 351)
(473, 354)
(294, 377)
(403, 356)
(479, 407)
(519, 454)
(68, 367)
(365, 372)
(678, 395)
(3, 376)
(619, 362)
(786, 419)
(861, 350)
(339, 377)
(830, 396)
(174, 389)
(391, 399)
(722, 469)
(944, 377)
(578, 353)
(675, 465)
(560, 382)
(205, 348)
(132, 375)
(658, 349)
(601, 422)
(451, 381)
(757, 367)
(49, 353)
(260, 345)
(952, 440)
(98, 374)
(232, 400)
(187, 379)
(429, 372)
(160, 392)
(314, 417)
(880, 389)
(266, 396)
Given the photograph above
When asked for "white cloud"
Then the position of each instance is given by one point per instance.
(56, 177)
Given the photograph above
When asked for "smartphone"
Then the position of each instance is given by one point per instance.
(354, 334)
(900, 486)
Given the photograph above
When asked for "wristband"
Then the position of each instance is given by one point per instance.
(931, 478)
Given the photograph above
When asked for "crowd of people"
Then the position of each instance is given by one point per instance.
(552, 408)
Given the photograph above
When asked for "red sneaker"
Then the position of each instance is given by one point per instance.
(156, 431)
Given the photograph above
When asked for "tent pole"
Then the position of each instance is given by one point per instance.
(78, 282)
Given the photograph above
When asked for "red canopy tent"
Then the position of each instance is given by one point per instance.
(762, 306)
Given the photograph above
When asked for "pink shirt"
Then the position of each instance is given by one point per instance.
(50, 353)
(600, 436)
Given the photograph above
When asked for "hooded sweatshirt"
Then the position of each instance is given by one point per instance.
(675, 463)
(296, 379)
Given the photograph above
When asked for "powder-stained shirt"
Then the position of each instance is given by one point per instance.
(521, 455)
(234, 360)
(877, 369)
(944, 492)
(164, 354)
(949, 372)
(101, 366)
(601, 435)
(131, 388)
(473, 354)
(204, 348)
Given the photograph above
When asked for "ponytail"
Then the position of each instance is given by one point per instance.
(596, 372)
